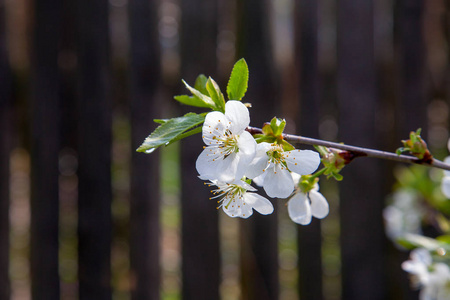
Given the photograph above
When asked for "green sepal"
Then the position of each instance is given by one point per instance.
(415, 146)
(267, 129)
(216, 95)
(277, 126)
(172, 130)
(336, 176)
(259, 138)
(400, 150)
(307, 183)
(238, 82)
(287, 146)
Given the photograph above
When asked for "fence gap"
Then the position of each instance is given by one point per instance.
(306, 57)
(259, 234)
(199, 217)
(5, 151)
(361, 201)
(145, 77)
(94, 150)
(45, 145)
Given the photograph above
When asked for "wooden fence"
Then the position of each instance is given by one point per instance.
(361, 72)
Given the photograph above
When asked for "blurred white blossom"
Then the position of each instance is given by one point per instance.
(432, 278)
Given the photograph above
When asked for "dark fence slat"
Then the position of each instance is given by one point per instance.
(200, 230)
(5, 149)
(44, 151)
(411, 112)
(94, 150)
(259, 254)
(306, 56)
(410, 48)
(361, 202)
(145, 194)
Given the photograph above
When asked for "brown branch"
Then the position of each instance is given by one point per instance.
(359, 151)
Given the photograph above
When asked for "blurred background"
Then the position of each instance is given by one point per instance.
(83, 216)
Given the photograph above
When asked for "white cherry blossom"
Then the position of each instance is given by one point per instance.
(303, 206)
(238, 200)
(229, 148)
(272, 167)
(433, 278)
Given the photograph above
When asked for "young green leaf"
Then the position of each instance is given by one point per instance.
(191, 100)
(207, 100)
(200, 84)
(171, 130)
(238, 82)
(216, 95)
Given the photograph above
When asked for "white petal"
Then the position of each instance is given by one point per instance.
(299, 209)
(226, 168)
(421, 255)
(246, 211)
(259, 180)
(296, 177)
(238, 115)
(215, 124)
(260, 162)
(233, 208)
(258, 203)
(246, 153)
(445, 186)
(303, 162)
(278, 182)
(319, 205)
(205, 166)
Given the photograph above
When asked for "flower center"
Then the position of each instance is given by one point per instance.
(227, 143)
(276, 154)
(229, 193)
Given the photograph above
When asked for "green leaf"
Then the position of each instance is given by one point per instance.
(187, 134)
(238, 82)
(160, 121)
(207, 100)
(216, 95)
(200, 84)
(171, 131)
(192, 101)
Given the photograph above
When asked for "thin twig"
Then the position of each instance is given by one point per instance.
(359, 151)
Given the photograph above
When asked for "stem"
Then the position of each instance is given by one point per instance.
(318, 173)
(359, 151)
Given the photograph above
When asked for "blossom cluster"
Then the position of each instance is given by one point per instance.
(231, 158)
(433, 278)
